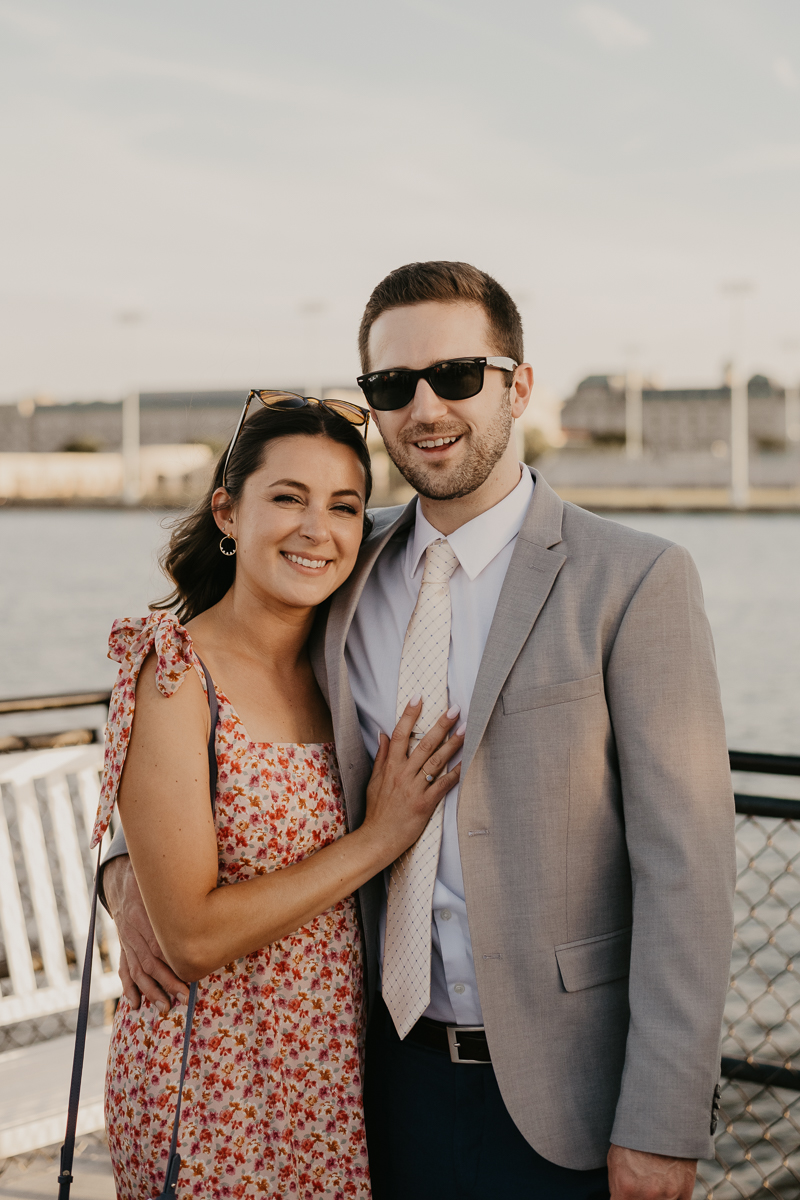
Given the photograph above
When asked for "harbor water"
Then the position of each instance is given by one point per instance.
(65, 574)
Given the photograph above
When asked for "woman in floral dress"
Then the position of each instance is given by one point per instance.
(255, 902)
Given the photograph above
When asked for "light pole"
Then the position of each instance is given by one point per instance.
(792, 410)
(793, 413)
(131, 465)
(634, 424)
(634, 444)
(131, 474)
(740, 420)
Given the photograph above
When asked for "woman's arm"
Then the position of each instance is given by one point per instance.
(164, 805)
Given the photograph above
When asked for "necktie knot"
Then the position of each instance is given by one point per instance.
(440, 562)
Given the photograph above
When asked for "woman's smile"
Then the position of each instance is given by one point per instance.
(304, 563)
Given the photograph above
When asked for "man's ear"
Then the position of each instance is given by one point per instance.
(521, 389)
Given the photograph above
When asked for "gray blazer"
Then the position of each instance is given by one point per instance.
(595, 824)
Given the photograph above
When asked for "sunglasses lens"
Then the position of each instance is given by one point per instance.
(350, 412)
(457, 380)
(387, 390)
(281, 400)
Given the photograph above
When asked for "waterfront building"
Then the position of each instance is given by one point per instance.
(673, 419)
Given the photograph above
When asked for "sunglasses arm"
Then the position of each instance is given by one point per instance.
(234, 438)
(502, 364)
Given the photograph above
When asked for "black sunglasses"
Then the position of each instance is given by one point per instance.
(453, 379)
(281, 401)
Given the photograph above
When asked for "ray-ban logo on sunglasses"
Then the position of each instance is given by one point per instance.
(453, 379)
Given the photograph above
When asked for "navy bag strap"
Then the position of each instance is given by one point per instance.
(68, 1149)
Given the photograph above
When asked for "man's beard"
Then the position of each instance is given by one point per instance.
(480, 456)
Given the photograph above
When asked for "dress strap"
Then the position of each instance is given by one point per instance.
(130, 642)
(213, 705)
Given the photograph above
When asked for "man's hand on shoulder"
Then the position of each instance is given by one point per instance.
(142, 968)
(634, 1175)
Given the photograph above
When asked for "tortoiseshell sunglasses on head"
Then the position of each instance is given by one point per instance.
(281, 401)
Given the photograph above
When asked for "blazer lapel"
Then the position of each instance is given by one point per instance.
(530, 577)
(316, 650)
(329, 663)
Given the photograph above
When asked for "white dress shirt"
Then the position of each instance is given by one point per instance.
(374, 645)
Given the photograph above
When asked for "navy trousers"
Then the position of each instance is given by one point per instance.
(438, 1130)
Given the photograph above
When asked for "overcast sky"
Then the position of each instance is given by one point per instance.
(237, 176)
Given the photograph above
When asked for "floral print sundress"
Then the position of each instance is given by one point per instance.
(272, 1102)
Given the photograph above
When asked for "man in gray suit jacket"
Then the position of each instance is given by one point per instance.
(581, 911)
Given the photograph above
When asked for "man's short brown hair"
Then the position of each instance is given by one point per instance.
(449, 283)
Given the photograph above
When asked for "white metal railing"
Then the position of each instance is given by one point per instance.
(47, 811)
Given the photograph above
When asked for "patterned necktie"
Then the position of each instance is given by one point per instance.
(423, 672)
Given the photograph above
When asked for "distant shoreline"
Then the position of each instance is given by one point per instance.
(596, 499)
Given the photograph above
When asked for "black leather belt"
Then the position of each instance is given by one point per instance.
(464, 1043)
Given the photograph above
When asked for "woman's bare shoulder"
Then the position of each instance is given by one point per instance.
(181, 707)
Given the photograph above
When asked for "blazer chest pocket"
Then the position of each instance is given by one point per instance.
(522, 699)
(595, 960)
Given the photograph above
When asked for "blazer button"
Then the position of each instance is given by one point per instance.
(715, 1110)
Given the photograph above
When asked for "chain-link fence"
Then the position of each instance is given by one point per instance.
(758, 1146)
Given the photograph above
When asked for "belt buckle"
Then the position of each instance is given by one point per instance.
(453, 1046)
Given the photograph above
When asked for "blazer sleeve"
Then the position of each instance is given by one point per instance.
(117, 849)
(663, 696)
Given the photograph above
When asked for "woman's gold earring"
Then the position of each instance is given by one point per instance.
(226, 537)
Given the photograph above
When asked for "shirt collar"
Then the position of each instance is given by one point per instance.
(481, 539)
